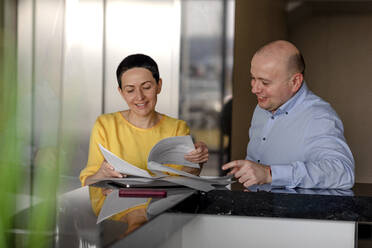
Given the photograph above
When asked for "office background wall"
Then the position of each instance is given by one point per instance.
(336, 40)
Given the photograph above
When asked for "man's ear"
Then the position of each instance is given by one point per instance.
(160, 83)
(297, 82)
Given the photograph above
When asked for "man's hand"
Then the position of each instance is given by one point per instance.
(248, 172)
(199, 155)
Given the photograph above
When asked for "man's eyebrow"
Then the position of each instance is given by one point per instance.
(261, 79)
(264, 79)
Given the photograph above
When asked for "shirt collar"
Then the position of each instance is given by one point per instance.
(293, 101)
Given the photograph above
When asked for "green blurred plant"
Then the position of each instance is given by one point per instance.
(9, 147)
(40, 220)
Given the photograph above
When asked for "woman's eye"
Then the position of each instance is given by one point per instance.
(147, 87)
(129, 91)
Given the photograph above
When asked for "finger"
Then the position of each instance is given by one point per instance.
(232, 164)
(117, 174)
(243, 179)
(200, 144)
(249, 182)
(203, 149)
(200, 156)
(112, 173)
(199, 148)
(233, 171)
(204, 159)
(243, 170)
(198, 160)
(106, 165)
(195, 151)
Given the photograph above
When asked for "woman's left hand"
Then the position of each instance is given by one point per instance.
(199, 155)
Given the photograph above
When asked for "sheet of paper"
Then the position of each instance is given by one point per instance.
(114, 204)
(123, 166)
(172, 150)
(224, 180)
(189, 182)
(153, 166)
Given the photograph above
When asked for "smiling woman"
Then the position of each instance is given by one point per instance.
(130, 134)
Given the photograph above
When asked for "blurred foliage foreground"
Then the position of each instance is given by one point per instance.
(18, 180)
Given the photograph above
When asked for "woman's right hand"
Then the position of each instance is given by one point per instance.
(105, 171)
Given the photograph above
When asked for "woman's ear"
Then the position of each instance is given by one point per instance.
(159, 84)
(120, 91)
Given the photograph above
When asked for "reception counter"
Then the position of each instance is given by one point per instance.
(219, 218)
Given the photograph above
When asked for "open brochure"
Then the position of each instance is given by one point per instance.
(167, 151)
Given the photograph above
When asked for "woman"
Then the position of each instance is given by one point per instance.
(131, 134)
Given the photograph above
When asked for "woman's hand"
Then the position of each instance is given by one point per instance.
(200, 155)
(105, 171)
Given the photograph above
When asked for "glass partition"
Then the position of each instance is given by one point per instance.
(206, 69)
(67, 52)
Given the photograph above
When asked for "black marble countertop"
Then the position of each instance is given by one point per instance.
(328, 205)
(78, 210)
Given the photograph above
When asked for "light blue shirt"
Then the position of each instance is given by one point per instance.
(303, 142)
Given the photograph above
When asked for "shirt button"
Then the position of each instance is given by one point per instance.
(286, 113)
(272, 117)
(258, 161)
(263, 138)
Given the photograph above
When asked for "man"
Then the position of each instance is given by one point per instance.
(296, 138)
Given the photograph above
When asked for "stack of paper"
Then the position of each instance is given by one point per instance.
(167, 151)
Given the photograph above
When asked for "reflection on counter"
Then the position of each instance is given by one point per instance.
(99, 216)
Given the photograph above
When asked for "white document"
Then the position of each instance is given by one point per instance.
(123, 166)
(153, 166)
(167, 151)
(172, 150)
(189, 182)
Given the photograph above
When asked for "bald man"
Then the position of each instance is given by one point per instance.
(296, 138)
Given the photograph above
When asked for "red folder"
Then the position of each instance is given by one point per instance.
(155, 193)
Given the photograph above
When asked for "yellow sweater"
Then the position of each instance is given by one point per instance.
(127, 141)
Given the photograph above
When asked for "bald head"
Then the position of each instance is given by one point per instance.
(276, 74)
(285, 53)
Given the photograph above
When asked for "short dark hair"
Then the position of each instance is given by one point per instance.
(139, 61)
(296, 63)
